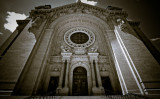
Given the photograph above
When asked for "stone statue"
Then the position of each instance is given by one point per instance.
(93, 49)
(65, 49)
(122, 25)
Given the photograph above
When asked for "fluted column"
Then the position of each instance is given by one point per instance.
(98, 74)
(93, 74)
(61, 75)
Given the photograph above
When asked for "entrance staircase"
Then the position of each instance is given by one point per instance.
(129, 96)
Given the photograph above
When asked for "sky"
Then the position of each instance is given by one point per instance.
(145, 11)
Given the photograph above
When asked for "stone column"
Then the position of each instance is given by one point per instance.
(61, 75)
(66, 76)
(98, 74)
(96, 90)
(65, 91)
(93, 74)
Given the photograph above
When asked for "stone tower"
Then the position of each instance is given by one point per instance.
(77, 49)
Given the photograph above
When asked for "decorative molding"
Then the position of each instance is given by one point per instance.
(134, 23)
(93, 56)
(21, 22)
(76, 58)
(55, 59)
(78, 7)
(79, 29)
(82, 20)
(93, 49)
(65, 49)
(79, 50)
(66, 56)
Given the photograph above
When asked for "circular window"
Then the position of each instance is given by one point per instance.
(79, 38)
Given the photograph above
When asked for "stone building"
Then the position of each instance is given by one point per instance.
(77, 49)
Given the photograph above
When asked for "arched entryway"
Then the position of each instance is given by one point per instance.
(80, 84)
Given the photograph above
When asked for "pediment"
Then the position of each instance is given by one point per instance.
(78, 7)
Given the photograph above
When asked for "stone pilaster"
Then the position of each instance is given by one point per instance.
(66, 76)
(61, 77)
(65, 91)
(93, 74)
(96, 90)
(98, 74)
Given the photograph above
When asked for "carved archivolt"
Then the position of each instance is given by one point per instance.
(67, 25)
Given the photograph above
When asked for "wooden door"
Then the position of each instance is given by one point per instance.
(80, 85)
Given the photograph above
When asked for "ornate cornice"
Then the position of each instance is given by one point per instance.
(134, 23)
(117, 12)
(20, 22)
(78, 7)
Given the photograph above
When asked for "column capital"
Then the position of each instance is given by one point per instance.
(66, 56)
(93, 56)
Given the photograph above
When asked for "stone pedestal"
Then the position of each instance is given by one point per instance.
(98, 91)
(62, 91)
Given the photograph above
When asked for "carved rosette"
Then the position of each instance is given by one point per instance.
(68, 34)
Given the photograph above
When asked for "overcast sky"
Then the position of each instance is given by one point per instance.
(145, 11)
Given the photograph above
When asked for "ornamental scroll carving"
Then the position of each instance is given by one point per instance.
(65, 49)
(93, 49)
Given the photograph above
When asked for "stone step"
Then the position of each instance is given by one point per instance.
(78, 97)
(5, 93)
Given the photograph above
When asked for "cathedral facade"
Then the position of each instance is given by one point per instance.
(77, 50)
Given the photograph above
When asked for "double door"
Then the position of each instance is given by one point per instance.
(80, 85)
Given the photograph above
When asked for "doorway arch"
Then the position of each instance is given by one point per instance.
(87, 68)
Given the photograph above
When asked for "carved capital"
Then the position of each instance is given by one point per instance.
(93, 56)
(66, 56)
